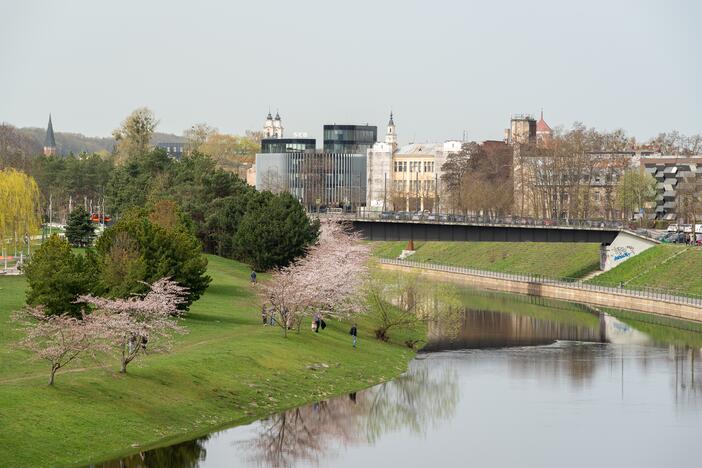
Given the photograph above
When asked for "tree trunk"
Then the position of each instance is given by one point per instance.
(54, 368)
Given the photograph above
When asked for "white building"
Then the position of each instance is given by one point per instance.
(407, 178)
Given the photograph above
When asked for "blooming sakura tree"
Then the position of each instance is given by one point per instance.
(328, 279)
(130, 324)
(59, 339)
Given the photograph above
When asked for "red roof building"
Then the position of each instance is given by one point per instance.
(543, 131)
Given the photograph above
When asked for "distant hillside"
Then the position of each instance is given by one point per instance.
(76, 143)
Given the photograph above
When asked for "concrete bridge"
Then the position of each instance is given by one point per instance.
(617, 243)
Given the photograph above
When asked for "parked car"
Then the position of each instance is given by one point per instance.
(672, 228)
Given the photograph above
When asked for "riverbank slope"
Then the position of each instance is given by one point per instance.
(229, 369)
(673, 268)
(552, 259)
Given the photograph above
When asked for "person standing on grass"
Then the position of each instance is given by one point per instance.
(354, 334)
(253, 278)
(317, 322)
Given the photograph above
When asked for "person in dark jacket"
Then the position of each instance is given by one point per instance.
(354, 333)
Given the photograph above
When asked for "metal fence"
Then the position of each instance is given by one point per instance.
(474, 219)
(647, 293)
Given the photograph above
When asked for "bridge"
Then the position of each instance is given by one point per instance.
(618, 243)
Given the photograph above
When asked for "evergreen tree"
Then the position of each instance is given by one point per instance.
(147, 245)
(80, 230)
(56, 276)
(274, 231)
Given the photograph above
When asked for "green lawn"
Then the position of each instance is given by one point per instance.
(553, 259)
(229, 369)
(681, 274)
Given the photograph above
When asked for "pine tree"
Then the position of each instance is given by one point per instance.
(80, 231)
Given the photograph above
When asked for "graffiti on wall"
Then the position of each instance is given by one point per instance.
(620, 253)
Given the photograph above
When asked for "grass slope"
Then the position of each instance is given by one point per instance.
(553, 259)
(682, 274)
(229, 369)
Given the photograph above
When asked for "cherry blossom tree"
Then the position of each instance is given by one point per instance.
(59, 339)
(328, 279)
(130, 324)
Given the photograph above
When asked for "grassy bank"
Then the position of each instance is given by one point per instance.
(229, 369)
(675, 268)
(551, 259)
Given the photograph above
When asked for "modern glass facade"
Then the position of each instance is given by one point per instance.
(318, 179)
(349, 138)
(287, 145)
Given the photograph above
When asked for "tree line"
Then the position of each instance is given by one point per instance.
(579, 173)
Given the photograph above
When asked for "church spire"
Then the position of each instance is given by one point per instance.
(391, 135)
(49, 140)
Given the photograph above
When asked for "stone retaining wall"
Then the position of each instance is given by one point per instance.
(562, 292)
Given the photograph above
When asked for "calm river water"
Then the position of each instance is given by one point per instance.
(513, 381)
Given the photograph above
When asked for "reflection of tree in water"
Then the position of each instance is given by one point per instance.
(688, 369)
(576, 361)
(416, 401)
(183, 455)
(303, 433)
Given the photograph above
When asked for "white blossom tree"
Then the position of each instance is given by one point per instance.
(59, 339)
(328, 279)
(129, 325)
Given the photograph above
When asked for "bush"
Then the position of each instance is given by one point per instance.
(145, 246)
(274, 230)
(56, 276)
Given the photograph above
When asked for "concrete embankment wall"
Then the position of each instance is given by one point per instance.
(563, 292)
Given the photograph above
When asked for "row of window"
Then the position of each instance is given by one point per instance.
(413, 166)
(421, 186)
(357, 135)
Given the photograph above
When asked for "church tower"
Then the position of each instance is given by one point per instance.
(277, 126)
(49, 140)
(268, 126)
(391, 135)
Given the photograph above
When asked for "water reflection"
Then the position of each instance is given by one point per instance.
(416, 401)
(187, 454)
(509, 380)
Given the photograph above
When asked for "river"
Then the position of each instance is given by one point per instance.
(513, 381)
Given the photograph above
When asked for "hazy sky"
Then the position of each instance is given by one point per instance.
(442, 66)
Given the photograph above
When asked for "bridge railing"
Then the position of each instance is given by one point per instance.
(645, 292)
(447, 218)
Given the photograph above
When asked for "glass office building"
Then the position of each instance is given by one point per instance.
(287, 145)
(356, 139)
(318, 179)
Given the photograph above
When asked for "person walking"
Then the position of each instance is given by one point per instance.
(253, 278)
(354, 333)
(317, 322)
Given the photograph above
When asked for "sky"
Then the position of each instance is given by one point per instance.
(443, 67)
